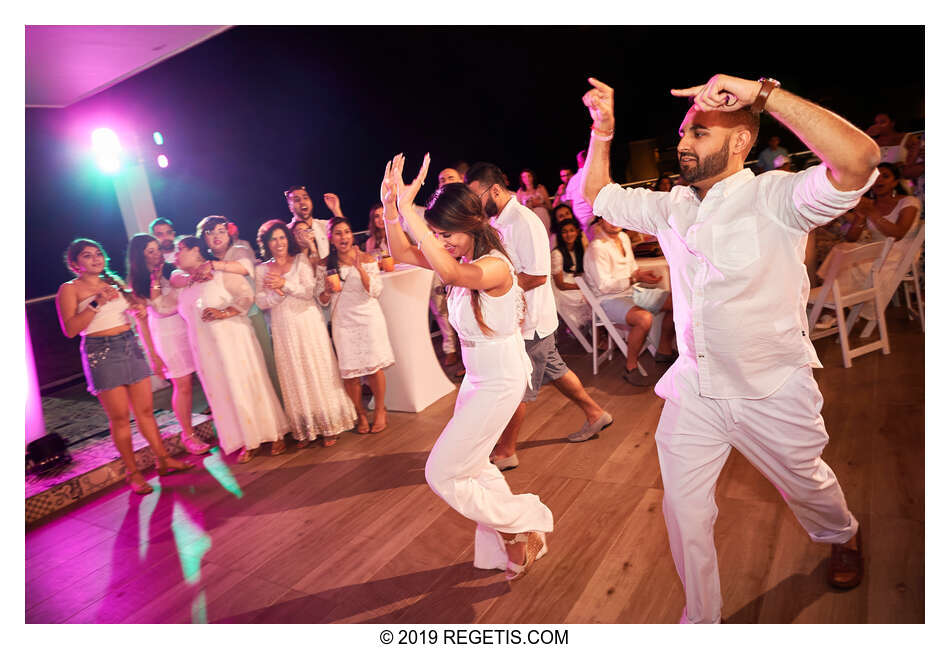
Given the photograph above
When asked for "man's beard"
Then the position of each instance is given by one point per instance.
(166, 246)
(491, 207)
(712, 165)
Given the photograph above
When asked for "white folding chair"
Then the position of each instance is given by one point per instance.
(576, 327)
(906, 274)
(831, 295)
(616, 334)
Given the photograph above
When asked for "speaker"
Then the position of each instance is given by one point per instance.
(47, 453)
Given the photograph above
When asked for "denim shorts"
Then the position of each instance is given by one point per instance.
(112, 361)
(546, 364)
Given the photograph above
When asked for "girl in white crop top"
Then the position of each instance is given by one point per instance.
(94, 304)
(486, 307)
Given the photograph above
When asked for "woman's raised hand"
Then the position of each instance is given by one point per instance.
(407, 193)
(387, 188)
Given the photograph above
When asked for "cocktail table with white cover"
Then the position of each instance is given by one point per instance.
(416, 379)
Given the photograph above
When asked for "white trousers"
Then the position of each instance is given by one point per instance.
(458, 468)
(782, 435)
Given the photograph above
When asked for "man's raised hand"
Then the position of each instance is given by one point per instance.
(721, 92)
(600, 101)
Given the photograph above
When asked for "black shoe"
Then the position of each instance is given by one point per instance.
(633, 377)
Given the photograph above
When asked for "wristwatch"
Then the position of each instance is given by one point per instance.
(765, 89)
(95, 305)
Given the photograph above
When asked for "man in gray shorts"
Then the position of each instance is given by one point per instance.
(526, 242)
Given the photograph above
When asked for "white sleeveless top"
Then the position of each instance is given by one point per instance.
(502, 314)
(111, 314)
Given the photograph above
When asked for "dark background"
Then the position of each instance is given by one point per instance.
(256, 109)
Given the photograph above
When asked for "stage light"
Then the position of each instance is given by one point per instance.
(157, 136)
(162, 161)
(106, 149)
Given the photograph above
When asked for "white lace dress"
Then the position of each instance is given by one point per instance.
(230, 364)
(570, 302)
(359, 328)
(314, 398)
(497, 372)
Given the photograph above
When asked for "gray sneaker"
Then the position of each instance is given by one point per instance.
(591, 429)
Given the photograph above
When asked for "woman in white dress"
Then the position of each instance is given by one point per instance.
(148, 275)
(314, 398)
(486, 307)
(231, 255)
(359, 328)
(567, 261)
(530, 194)
(229, 360)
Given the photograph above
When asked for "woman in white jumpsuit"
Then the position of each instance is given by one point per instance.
(486, 307)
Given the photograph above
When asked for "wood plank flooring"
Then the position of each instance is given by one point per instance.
(352, 533)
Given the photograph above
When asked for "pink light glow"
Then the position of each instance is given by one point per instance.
(162, 161)
(35, 425)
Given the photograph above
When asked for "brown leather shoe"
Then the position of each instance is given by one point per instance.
(846, 567)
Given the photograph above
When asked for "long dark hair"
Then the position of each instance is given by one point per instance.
(267, 230)
(378, 234)
(71, 256)
(136, 270)
(455, 208)
(578, 247)
(333, 259)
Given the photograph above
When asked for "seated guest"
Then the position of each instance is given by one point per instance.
(766, 160)
(314, 398)
(567, 261)
(348, 280)
(663, 184)
(376, 243)
(563, 212)
(889, 212)
(611, 270)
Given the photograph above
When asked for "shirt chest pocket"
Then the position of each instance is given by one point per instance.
(735, 244)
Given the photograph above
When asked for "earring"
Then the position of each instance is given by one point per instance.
(894, 193)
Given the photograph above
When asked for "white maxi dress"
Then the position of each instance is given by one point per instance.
(497, 370)
(314, 398)
(230, 364)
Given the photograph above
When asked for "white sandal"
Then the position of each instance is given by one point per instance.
(536, 546)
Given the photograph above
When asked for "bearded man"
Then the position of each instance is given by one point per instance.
(735, 245)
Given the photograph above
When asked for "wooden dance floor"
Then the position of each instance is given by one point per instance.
(353, 534)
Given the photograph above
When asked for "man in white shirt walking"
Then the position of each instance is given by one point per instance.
(735, 244)
(526, 242)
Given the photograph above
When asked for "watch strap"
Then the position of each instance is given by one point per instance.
(766, 86)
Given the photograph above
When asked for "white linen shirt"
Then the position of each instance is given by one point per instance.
(737, 273)
(526, 243)
(606, 270)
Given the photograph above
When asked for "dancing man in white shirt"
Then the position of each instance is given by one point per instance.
(301, 206)
(735, 244)
(526, 242)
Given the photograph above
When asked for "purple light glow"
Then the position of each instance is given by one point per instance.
(35, 424)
